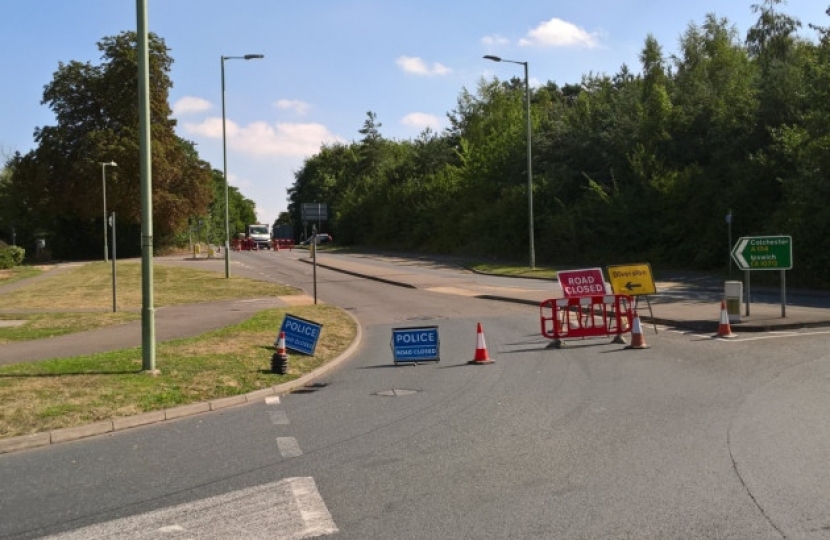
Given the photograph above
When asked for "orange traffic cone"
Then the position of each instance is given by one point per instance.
(637, 339)
(724, 330)
(481, 356)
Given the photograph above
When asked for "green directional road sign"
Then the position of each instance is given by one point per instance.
(764, 253)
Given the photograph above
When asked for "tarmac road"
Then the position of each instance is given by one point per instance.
(691, 302)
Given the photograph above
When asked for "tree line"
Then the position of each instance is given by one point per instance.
(55, 192)
(626, 167)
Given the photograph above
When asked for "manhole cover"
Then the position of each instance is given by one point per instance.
(397, 392)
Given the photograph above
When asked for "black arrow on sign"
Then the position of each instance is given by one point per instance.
(631, 286)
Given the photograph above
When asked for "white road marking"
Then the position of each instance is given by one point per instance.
(272, 400)
(289, 447)
(771, 335)
(290, 509)
(279, 418)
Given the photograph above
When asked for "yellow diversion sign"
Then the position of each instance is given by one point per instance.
(632, 279)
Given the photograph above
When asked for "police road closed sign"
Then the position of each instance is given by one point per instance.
(301, 335)
(585, 282)
(632, 279)
(415, 344)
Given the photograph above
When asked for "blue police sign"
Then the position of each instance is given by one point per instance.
(415, 344)
(301, 335)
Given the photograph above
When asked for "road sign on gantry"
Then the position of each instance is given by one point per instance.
(764, 253)
(584, 282)
(632, 279)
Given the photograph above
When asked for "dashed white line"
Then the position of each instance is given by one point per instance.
(272, 400)
(289, 447)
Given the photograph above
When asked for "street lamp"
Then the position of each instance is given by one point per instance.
(104, 166)
(225, 161)
(529, 164)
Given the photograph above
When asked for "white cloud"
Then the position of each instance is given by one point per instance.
(264, 139)
(417, 66)
(422, 121)
(189, 105)
(299, 107)
(495, 40)
(559, 33)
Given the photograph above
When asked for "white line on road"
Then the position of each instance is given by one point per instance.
(290, 509)
(289, 447)
(771, 335)
(272, 400)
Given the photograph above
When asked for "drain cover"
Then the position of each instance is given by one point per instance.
(397, 392)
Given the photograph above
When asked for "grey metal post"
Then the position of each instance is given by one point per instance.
(104, 166)
(225, 161)
(529, 175)
(532, 242)
(104, 191)
(148, 316)
(114, 295)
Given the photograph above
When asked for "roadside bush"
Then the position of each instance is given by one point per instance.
(11, 256)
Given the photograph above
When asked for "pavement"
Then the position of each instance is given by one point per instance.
(683, 301)
(690, 301)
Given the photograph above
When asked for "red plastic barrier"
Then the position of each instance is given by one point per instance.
(586, 316)
(283, 243)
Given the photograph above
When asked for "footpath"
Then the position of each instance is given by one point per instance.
(685, 302)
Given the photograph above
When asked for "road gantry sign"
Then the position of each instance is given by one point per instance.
(632, 279)
(763, 253)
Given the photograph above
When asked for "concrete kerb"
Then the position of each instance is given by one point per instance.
(55, 436)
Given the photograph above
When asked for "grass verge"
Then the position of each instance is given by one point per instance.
(10, 275)
(90, 287)
(46, 325)
(235, 360)
(81, 299)
(516, 271)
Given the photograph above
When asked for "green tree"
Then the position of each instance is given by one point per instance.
(59, 181)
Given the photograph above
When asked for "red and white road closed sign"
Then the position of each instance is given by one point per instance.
(584, 282)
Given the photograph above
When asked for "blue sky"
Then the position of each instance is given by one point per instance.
(329, 62)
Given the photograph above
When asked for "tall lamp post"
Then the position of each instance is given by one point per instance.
(104, 166)
(225, 161)
(529, 161)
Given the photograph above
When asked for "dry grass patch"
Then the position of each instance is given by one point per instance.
(90, 287)
(10, 275)
(84, 294)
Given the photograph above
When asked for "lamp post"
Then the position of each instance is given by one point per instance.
(225, 161)
(104, 166)
(529, 162)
